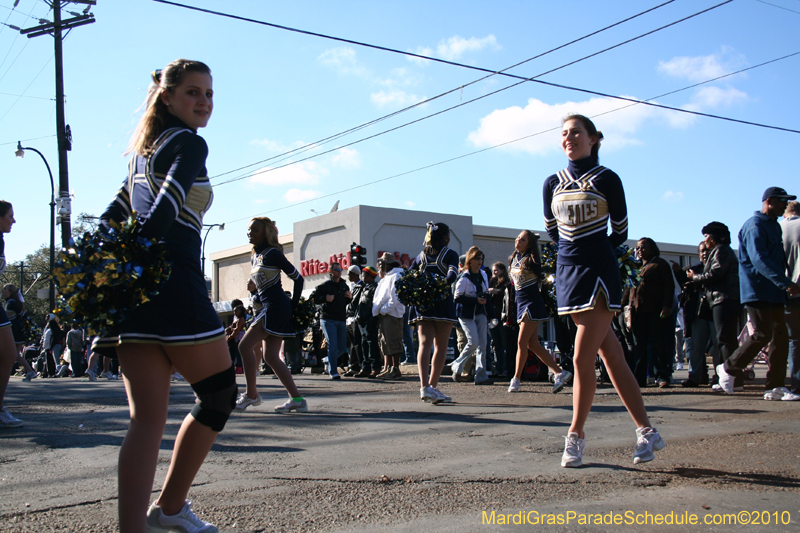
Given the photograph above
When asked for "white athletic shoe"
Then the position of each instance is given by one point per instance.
(790, 397)
(291, 405)
(185, 521)
(428, 395)
(725, 380)
(573, 451)
(33, 374)
(244, 401)
(7, 420)
(108, 375)
(514, 386)
(647, 440)
(91, 375)
(445, 398)
(561, 380)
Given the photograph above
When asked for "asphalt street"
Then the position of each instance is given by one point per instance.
(370, 457)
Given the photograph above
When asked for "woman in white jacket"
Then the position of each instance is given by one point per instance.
(389, 311)
(474, 311)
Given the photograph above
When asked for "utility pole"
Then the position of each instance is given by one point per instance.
(63, 133)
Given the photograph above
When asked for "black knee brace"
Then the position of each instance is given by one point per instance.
(216, 398)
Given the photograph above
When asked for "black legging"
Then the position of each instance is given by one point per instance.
(726, 321)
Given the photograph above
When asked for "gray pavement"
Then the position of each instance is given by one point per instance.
(369, 456)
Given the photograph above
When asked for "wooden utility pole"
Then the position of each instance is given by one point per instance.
(63, 133)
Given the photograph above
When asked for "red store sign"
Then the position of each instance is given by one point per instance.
(314, 267)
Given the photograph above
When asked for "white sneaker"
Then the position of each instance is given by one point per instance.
(647, 440)
(185, 521)
(7, 420)
(561, 380)
(177, 377)
(776, 394)
(291, 405)
(725, 380)
(428, 395)
(573, 451)
(108, 375)
(91, 375)
(790, 397)
(244, 401)
(445, 398)
(33, 374)
(514, 386)
(679, 366)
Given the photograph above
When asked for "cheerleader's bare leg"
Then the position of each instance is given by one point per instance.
(529, 339)
(272, 355)
(247, 349)
(441, 339)
(8, 355)
(148, 369)
(595, 336)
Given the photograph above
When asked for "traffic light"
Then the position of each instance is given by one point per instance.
(358, 255)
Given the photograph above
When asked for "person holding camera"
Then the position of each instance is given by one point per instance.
(474, 311)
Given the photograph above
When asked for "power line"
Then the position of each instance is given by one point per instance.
(26, 89)
(779, 7)
(395, 113)
(505, 143)
(285, 155)
(26, 140)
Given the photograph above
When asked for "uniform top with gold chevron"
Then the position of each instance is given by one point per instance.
(521, 276)
(579, 201)
(169, 189)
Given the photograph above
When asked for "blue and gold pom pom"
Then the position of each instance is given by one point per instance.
(102, 276)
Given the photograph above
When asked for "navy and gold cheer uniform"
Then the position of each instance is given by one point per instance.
(170, 192)
(579, 202)
(5, 322)
(527, 283)
(444, 264)
(275, 314)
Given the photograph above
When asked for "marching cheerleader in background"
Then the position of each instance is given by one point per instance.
(8, 351)
(435, 324)
(525, 269)
(578, 204)
(274, 320)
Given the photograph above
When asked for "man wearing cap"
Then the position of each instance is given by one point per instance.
(353, 334)
(763, 286)
(334, 296)
(389, 310)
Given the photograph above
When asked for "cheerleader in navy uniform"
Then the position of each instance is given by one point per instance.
(435, 324)
(168, 189)
(274, 320)
(525, 269)
(579, 202)
(8, 352)
(15, 310)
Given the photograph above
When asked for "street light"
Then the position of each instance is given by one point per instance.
(209, 226)
(21, 153)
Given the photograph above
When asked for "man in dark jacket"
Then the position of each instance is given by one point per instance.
(353, 333)
(654, 315)
(333, 296)
(763, 285)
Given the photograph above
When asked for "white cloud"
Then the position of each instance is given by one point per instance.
(672, 196)
(454, 47)
(395, 99)
(305, 172)
(503, 125)
(343, 60)
(346, 158)
(299, 195)
(277, 146)
(702, 68)
(711, 97)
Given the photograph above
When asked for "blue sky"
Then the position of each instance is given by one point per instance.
(277, 90)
